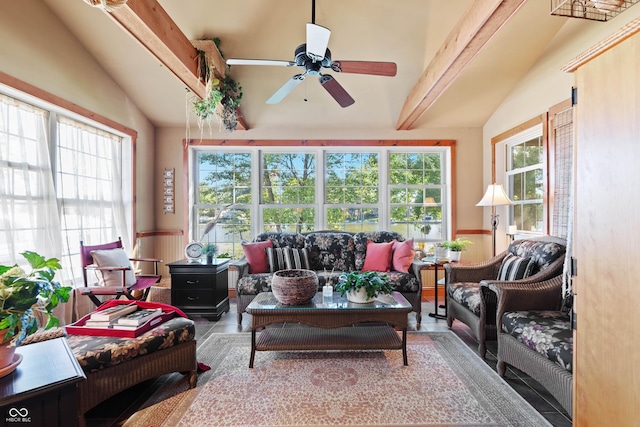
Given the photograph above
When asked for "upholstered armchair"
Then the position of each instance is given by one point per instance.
(535, 335)
(525, 261)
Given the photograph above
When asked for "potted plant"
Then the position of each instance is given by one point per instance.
(363, 286)
(23, 295)
(456, 247)
(223, 98)
(209, 249)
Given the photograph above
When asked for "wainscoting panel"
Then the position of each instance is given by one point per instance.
(165, 245)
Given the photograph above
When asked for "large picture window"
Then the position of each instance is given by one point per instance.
(403, 189)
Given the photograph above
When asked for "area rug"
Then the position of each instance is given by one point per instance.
(445, 384)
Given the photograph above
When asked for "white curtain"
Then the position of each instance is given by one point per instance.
(30, 219)
(48, 208)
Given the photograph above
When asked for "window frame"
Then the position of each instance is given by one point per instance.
(56, 106)
(535, 127)
(321, 147)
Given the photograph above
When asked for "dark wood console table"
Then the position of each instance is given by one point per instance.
(42, 389)
(198, 288)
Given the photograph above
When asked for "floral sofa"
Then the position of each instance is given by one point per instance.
(536, 335)
(328, 253)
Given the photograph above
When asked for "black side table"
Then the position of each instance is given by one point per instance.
(42, 389)
(435, 313)
(198, 288)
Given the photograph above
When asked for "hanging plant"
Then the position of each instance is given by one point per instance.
(223, 96)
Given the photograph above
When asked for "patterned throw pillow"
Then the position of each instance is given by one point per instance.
(296, 258)
(275, 258)
(515, 268)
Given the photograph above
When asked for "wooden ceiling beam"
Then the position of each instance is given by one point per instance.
(480, 22)
(154, 29)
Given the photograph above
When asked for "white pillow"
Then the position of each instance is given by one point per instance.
(114, 258)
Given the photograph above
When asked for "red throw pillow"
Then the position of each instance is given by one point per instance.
(403, 255)
(257, 256)
(378, 256)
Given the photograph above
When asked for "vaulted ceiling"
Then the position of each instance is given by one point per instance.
(457, 59)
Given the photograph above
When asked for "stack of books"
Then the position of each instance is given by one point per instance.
(125, 320)
(121, 317)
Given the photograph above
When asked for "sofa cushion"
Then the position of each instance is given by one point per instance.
(403, 255)
(541, 253)
(547, 332)
(330, 251)
(403, 282)
(467, 294)
(275, 259)
(515, 268)
(296, 258)
(378, 257)
(257, 256)
(360, 240)
(253, 284)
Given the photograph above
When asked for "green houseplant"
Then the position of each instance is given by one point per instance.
(369, 283)
(23, 295)
(223, 98)
(209, 250)
(456, 247)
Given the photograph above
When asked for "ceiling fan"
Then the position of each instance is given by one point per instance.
(313, 56)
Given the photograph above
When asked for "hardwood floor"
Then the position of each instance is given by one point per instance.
(115, 411)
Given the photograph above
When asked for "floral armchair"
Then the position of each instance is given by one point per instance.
(524, 262)
(535, 334)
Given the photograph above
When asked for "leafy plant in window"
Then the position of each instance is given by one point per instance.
(223, 96)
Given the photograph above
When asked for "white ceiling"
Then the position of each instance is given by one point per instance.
(407, 32)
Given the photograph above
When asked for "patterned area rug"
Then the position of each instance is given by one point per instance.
(445, 384)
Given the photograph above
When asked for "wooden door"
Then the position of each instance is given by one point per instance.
(607, 238)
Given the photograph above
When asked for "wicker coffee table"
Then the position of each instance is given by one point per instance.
(336, 324)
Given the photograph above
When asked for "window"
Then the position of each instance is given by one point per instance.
(352, 191)
(89, 187)
(418, 195)
(224, 178)
(525, 180)
(62, 181)
(403, 189)
(287, 191)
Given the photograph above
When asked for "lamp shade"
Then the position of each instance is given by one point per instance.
(495, 196)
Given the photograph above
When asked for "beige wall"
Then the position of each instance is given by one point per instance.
(36, 48)
(545, 85)
(468, 151)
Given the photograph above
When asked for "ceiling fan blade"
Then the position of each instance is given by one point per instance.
(237, 61)
(317, 41)
(335, 90)
(286, 89)
(375, 68)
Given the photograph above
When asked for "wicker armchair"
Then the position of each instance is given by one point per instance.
(464, 299)
(546, 353)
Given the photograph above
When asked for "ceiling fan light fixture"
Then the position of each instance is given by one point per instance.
(595, 10)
